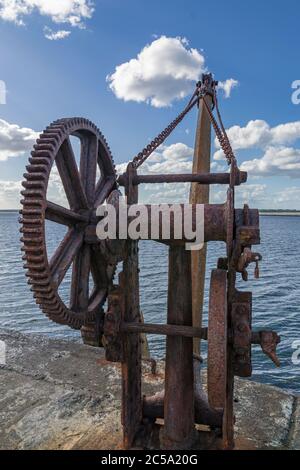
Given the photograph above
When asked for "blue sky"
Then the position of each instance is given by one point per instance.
(251, 42)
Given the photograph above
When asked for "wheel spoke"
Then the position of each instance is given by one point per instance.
(103, 189)
(88, 165)
(80, 280)
(64, 255)
(101, 281)
(62, 215)
(68, 170)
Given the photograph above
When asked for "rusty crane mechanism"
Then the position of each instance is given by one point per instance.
(108, 314)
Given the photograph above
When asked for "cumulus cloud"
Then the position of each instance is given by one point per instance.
(278, 156)
(10, 191)
(73, 12)
(259, 134)
(163, 71)
(174, 158)
(228, 86)
(284, 161)
(177, 158)
(15, 140)
(55, 35)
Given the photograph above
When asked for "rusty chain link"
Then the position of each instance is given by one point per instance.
(142, 156)
(200, 92)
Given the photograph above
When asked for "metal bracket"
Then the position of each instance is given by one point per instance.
(241, 318)
(112, 337)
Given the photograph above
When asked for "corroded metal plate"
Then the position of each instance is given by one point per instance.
(217, 339)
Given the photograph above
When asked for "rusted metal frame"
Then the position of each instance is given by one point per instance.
(62, 215)
(65, 254)
(112, 338)
(131, 344)
(153, 407)
(200, 178)
(100, 278)
(268, 340)
(72, 183)
(167, 330)
(199, 194)
(54, 147)
(79, 298)
(103, 188)
(215, 225)
(179, 378)
(88, 164)
(217, 339)
(241, 317)
(228, 416)
(92, 332)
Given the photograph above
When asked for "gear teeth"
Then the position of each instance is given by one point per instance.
(37, 276)
(32, 193)
(31, 230)
(32, 202)
(35, 176)
(33, 185)
(32, 218)
(35, 160)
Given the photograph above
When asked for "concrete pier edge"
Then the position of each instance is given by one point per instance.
(59, 394)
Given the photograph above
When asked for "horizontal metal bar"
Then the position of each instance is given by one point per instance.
(153, 407)
(201, 178)
(167, 330)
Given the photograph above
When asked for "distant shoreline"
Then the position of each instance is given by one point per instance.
(279, 213)
(262, 213)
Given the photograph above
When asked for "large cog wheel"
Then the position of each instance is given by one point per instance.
(84, 195)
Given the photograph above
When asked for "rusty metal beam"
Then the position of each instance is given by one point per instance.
(199, 194)
(131, 364)
(200, 178)
(179, 383)
(167, 330)
(153, 407)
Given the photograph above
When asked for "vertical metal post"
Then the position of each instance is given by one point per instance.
(179, 384)
(131, 364)
(199, 194)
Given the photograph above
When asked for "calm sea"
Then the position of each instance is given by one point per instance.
(276, 293)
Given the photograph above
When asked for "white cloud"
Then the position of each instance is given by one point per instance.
(288, 197)
(175, 158)
(55, 35)
(278, 157)
(10, 194)
(283, 161)
(259, 134)
(227, 86)
(163, 71)
(73, 12)
(15, 140)
(10, 191)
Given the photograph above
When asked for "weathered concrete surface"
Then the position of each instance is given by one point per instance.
(63, 395)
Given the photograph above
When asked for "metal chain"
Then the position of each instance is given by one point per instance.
(141, 157)
(220, 132)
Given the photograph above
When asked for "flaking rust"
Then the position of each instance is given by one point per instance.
(108, 312)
